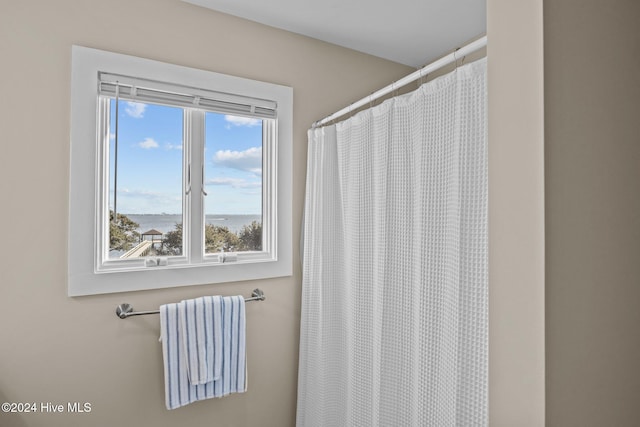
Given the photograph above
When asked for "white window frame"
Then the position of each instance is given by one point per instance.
(89, 271)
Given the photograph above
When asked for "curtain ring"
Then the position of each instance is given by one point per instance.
(423, 76)
(455, 59)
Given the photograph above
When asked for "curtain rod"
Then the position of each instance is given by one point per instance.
(444, 61)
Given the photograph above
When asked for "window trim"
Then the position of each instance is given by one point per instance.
(84, 276)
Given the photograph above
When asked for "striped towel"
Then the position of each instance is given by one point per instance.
(201, 331)
(179, 391)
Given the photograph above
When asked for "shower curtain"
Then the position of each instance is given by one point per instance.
(394, 327)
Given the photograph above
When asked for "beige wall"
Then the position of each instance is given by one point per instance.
(59, 349)
(592, 143)
(516, 213)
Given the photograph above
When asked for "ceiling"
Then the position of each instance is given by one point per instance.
(410, 32)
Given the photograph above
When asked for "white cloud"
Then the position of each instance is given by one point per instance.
(234, 182)
(142, 194)
(153, 196)
(135, 109)
(169, 146)
(148, 143)
(242, 121)
(137, 201)
(249, 160)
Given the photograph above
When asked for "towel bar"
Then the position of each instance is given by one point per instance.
(126, 310)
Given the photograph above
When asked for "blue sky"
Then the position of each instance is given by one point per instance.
(150, 161)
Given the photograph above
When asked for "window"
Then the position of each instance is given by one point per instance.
(178, 176)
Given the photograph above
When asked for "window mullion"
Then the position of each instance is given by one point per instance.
(195, 234)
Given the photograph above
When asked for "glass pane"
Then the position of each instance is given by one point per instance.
(233, 179)
(145, 181)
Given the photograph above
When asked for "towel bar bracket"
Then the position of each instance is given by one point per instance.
(126, 310)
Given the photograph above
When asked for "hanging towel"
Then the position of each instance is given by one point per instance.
(179, 391)
(233, 379)
(201, 330)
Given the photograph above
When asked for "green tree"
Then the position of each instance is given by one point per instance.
(173, 241)
(123, 232)
(251, 237)
(217, 238)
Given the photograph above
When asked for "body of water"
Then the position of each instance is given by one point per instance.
(166, 223)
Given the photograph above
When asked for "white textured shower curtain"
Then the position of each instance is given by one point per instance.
(394, 328)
